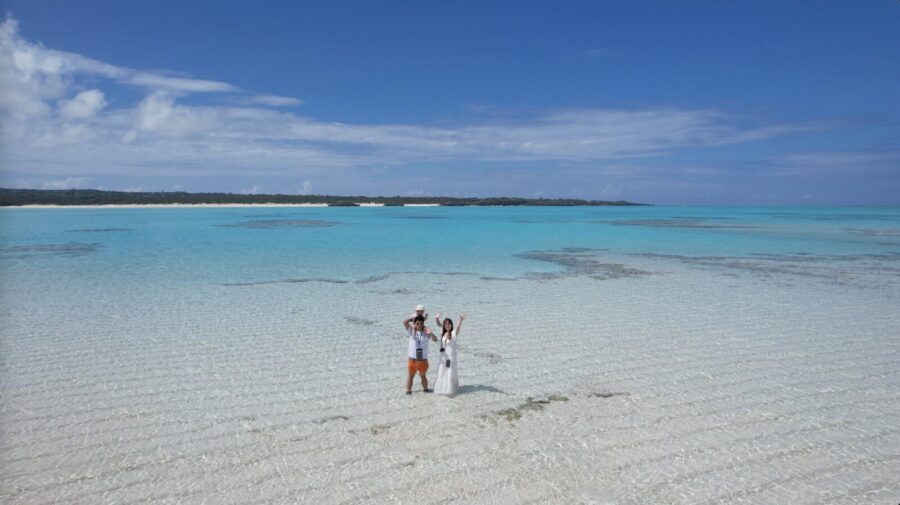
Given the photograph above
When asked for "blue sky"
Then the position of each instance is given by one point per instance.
(663, 102)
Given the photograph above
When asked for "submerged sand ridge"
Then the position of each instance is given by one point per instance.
(691, 383)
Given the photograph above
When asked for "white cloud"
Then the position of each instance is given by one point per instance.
(175, 84)
(274, 100)
(253, 190)
(67, 183)
(306, 188)
(834, 163)
(83, 105)
(66, 134)
(839, 158)
(165, 135)
(158, 114)
(31, 75)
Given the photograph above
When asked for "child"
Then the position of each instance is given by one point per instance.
(420, 312)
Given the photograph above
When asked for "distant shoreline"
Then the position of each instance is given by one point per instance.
(161, 205)
(199, 205)
(86, 198)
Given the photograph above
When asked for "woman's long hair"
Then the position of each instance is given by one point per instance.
(444, 330)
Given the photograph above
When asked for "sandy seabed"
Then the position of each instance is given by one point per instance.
(658, 382)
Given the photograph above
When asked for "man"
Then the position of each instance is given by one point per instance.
(417, 355)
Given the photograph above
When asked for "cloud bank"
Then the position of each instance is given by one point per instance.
(61, 124)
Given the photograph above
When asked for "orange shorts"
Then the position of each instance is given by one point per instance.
(416, 365)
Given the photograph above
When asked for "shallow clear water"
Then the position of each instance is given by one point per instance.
(255, 355)
(254, 244)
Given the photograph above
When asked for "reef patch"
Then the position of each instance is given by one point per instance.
(696, 224)
(531, 404)
(359, 321)
(73, 249)
(264, 224)
(580, 262)
(99, 230)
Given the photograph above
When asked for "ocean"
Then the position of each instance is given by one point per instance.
(611, 355)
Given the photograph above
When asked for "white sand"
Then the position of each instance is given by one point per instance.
(167, 205)
(203, 205)
(689, 386)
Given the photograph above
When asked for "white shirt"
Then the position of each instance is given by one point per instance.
(418, 340)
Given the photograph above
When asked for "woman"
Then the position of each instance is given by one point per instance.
(448, 372)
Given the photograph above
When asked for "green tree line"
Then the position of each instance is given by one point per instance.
(14, 197)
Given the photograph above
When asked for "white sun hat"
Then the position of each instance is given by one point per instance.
(420, 307)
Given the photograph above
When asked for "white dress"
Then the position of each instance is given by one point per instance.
(448, 370)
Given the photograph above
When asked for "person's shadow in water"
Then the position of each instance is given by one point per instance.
(475, 388)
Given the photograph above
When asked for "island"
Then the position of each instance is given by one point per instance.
(81, 197)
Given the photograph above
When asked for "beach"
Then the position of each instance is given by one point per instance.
(624, 356)
(185, 205)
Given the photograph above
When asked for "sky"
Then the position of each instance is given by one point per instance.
(677, 103)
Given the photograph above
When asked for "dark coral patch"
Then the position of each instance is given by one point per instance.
(71, 249)
(577, 262)
(264, 224)
(695, 224)
(99, 230)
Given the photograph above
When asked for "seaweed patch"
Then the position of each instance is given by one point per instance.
(579, 262)
(835, 269)
(73, 249)
(261, 216)
(492, 357)
(799, 216)
(359, 321)
(301, 280)
(398, 291)
(766, 265)
(99, 230)
(323, 420)
(876, 232)
(371, 279)
(378, 429)
(253, 283)
(696, 224)
(531, 404)
(263, 224)
(607, 394)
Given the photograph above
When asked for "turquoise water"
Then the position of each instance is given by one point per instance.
(107, 248)
(256, 355)
(60, 265)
